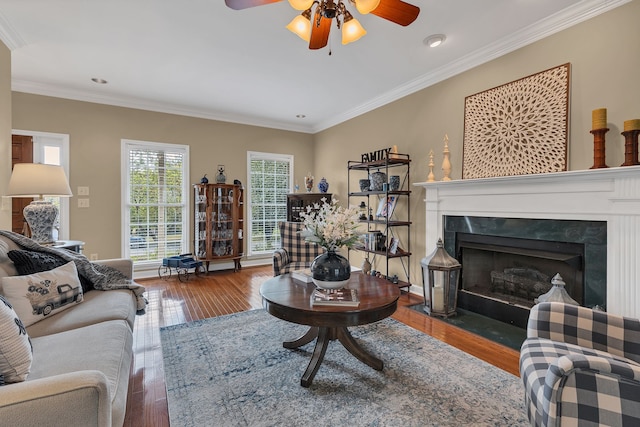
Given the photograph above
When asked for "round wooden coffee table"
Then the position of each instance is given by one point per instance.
(290, 300)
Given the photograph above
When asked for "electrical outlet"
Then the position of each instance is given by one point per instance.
(83, 203)
(83, 191)
(93, 257)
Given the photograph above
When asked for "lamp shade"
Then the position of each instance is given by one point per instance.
(38, 180)
(301, 26)
(351, 29)
(301, 4)
(366, 6)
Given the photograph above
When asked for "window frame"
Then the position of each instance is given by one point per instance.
(126, 146)
(257, 155)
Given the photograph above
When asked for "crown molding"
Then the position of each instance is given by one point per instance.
(142, 104)
(9, 36)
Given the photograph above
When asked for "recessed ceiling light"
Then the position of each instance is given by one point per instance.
(434, 40)
(99, 81)
(300, 116)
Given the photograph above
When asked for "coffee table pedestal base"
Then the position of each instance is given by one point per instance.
(324, 335)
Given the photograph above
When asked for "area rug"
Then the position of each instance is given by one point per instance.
(233, 371)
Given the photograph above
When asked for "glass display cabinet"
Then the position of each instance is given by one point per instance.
(219, 223)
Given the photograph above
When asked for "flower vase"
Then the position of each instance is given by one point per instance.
(330, 270)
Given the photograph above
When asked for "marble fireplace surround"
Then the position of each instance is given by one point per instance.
(611, 195)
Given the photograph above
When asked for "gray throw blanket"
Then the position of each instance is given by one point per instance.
(102, 277)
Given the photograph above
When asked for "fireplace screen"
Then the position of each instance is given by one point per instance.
(517, 271)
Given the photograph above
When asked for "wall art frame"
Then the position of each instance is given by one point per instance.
(518, 128)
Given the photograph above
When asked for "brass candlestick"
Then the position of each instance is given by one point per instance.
(598, 148)
(631, 147)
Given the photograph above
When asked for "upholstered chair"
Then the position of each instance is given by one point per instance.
(294, 253)
(581, 367)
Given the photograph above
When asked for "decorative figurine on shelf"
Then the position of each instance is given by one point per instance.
(431, 177)
(308, 182)
(363, 211)
(221, 178)
(204, 179)
(446, 164)
(393, 153)
(323, 185)
(296, 187)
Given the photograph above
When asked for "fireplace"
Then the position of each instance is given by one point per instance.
(604, 202)
(508, 262)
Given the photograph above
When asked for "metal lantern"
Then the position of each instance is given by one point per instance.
(440, 275)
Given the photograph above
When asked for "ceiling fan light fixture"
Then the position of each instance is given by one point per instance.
(301, 25)
(435, 40)
(301, 4)
(366, 6)
(351, 29)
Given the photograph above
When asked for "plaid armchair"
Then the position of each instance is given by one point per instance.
(581, 367)
(295, 253)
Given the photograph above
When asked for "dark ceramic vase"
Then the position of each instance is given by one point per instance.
(330, 270)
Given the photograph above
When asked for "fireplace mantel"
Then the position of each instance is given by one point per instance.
(611, 195)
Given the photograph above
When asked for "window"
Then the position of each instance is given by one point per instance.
(270, 178)
(155, 200)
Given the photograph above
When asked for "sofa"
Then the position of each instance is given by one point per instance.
(294, 252)
(81, 354)
(580, 367)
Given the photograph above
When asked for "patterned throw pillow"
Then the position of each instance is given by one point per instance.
(36, 296)
(15, 347)
(30, 262)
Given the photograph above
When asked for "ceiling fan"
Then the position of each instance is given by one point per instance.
(316, 31)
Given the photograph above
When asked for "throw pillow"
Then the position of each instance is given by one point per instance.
(30, 262)
(36, 296)
(15, 347)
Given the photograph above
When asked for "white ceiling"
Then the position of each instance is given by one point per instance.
(200, 58)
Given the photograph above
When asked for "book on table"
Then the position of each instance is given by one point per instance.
(303, 275)
(335, 297)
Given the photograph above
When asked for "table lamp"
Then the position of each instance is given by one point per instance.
(39, 180)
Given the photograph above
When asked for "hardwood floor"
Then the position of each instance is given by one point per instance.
(218, 293)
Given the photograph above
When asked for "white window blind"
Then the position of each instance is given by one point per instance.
(270, 178)
(156, 201)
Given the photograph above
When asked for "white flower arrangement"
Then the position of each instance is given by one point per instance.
(330, 225)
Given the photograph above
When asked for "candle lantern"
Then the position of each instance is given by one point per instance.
(440, 278)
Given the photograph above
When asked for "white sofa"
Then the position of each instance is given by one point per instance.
(81, 361)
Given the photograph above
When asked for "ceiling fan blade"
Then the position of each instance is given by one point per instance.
(397, 11)
(319, 31)
(245, 4)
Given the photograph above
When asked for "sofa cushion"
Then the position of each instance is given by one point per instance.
(105, 347)
(15, 346)
(97, 306)
(38, 295)
(30, 262)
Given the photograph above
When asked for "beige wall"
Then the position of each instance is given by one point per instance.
(95, 132)
(5, 134)
(604, 58)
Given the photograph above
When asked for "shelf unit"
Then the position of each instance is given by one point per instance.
(389, 223)
(219, 223)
